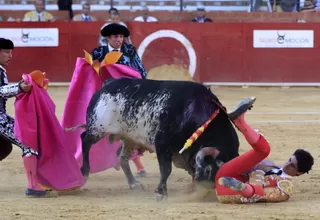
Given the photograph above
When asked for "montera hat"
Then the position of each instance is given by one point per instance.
(114, 29)
(6, 44)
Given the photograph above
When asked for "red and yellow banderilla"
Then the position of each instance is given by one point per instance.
(198, 132)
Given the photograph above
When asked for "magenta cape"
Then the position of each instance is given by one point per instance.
(85, 82)
(37, 126)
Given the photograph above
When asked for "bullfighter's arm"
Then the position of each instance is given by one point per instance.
(265, 165)
(137, 64)
(9, 91)
(276, 189)
(281, 191)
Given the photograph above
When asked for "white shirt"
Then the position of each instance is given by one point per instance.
(111, 48)
(284, 175)
(1, 67)
(86, 16)
(149, 19)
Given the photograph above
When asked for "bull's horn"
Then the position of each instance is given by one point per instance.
(206, 151)
(84, 126)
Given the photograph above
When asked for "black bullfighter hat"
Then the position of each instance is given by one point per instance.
(114, 29)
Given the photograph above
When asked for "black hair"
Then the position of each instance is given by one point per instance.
(304, 159)
(6, 44)
(113, 9)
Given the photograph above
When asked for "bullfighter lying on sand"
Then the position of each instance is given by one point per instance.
(274, 185)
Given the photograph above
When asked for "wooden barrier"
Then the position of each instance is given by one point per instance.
(218, 52)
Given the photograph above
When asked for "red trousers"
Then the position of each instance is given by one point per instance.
(241, 164)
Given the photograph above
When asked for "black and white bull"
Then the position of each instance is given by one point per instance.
(160, 116)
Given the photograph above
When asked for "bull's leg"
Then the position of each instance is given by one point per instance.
(165, 164)
(87, 140)
(127, 149)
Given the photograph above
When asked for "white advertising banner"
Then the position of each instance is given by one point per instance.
(32, 37)
(283, 39)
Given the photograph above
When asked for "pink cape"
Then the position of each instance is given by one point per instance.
(37, 126)
(85, 82)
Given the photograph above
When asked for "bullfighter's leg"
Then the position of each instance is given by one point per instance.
(136, 158)
(34, 188)
(228, 175)
(127, 149)
(87, 140)
(165, 164)
(7, 132)
(29, 158)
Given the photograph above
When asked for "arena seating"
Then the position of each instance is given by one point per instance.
(133, 5)
(164, 10)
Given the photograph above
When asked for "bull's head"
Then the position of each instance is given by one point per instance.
(207, 166)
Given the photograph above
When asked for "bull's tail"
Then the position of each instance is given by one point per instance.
(83, 126)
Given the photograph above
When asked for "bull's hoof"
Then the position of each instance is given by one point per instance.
(161, 197)
(161, 194)
(241, 108)
(85, 173)
(136, 185)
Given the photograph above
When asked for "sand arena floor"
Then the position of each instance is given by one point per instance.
(106, 195)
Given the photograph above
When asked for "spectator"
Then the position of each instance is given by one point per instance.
(85, 16)
(66, 5)
(145, 17)
(309, 5)
(113, 10)
(284, 5)
(39, 14)
(200, 17)
(114, 17)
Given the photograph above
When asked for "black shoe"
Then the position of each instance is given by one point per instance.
(241, 108)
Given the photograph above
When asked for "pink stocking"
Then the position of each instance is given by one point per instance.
(30, 166)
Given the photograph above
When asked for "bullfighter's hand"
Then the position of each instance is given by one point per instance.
(25, 87)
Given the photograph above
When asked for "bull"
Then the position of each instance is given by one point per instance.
(159, 116)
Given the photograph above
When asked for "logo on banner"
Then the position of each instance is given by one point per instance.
(32, 37)
(283, 39)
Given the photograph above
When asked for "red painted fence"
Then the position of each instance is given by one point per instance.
(217, 52)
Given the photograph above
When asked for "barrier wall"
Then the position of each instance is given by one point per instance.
(214, 52)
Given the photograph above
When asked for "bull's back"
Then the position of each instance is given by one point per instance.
(145, 108)
(146, 86)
